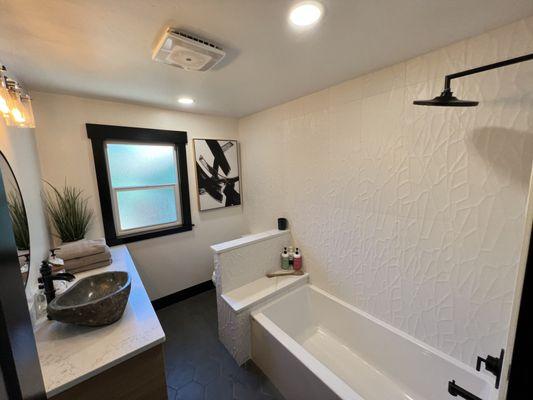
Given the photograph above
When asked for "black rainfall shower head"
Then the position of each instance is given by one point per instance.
(446, 99)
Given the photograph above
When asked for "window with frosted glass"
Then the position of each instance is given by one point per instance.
(144, 185)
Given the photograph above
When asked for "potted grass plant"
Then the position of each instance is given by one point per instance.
(68, 211)
(17, 212)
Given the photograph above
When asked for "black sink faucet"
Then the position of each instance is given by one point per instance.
(46, 280)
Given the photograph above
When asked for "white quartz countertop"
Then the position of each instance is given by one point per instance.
(70, 354)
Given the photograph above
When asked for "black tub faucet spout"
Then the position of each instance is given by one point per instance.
(456, 390)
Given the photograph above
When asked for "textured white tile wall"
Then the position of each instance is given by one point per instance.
(238, 267)
(413, 214)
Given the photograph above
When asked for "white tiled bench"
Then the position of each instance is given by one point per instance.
(241, 266)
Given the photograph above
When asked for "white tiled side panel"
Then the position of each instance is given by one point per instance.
(233, 269)
(234, 327)
(413, 214)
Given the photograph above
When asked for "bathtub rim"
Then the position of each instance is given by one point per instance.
(290, 344)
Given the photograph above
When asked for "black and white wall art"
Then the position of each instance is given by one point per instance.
(217, 173)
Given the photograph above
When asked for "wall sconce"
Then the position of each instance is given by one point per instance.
(4, 97)
(28, 111)
(15, 105)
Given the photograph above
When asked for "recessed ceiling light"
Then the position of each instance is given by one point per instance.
(306, 13)
(186, 101)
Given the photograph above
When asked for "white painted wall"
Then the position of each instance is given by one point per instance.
(166, 264)
(412, 214)
(18, 145)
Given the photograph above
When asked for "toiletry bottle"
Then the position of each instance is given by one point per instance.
(297, 262)
(285, 259)
(291, 255)
(39, 304)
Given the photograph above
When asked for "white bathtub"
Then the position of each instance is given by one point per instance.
(315, 346)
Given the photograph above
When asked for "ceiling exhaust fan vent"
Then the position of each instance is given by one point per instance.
(188, 52)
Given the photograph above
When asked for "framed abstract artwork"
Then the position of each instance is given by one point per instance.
(217, 173)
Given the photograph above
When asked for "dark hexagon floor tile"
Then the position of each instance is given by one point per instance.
(249, 378)
(191, 350)
(207, 372)
(180, 376)
(243, 392)
(171, 393)
(219, 389)
(197, 355)
(191, 391)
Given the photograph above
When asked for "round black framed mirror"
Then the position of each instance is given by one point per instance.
(19, 219)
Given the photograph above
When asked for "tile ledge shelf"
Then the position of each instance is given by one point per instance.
(264, 288)
(247, 240)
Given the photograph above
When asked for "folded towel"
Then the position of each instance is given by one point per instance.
(74, 263)
(90, 266)
(81, 248)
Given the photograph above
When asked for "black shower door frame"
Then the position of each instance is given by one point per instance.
(521, 371)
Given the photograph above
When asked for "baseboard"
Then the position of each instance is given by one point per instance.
(166, 301)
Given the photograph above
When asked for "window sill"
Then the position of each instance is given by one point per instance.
(113, 241)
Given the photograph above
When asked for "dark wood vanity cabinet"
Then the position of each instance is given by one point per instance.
(141, 377)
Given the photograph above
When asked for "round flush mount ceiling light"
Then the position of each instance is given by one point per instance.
(306, 13)
(187, 101)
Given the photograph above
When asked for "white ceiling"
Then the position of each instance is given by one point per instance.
(102, 48)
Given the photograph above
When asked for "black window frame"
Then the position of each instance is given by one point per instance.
(99, 135)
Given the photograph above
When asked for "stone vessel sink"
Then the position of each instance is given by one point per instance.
(93, 301)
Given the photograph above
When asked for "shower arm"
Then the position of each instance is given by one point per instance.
(448, 78)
